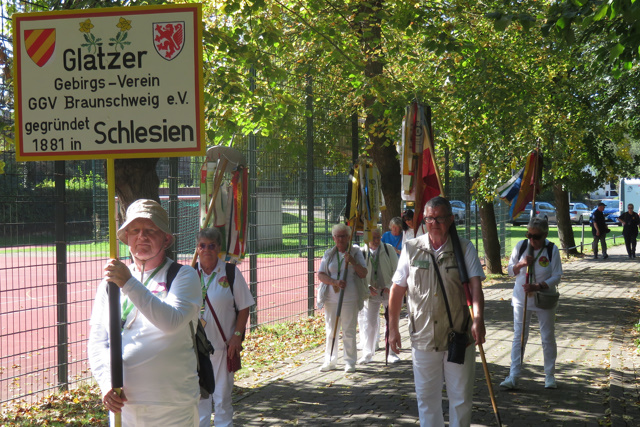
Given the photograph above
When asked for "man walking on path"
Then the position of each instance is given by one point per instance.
(599, 231)
(381, 264)
(427, 270)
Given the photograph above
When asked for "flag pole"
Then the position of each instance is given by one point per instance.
(529, 276)
(341, 297)
(464, 278)
(222, 166)
(115, 327)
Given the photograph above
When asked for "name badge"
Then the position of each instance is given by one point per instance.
(421, 263)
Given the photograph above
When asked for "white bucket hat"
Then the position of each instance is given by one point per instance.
(148, 209)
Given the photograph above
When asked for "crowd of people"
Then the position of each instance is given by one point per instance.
(422, 265)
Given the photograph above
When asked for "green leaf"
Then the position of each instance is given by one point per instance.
(561, 23)
(601, 13)
(616, 51)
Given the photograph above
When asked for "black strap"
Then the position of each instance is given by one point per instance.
(230, 269)
(172, 272)
(525, 242)
(444, 294)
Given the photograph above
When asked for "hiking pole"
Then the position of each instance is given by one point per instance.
(341, 297)
(464, 278)
(484, 360)
(386, 335)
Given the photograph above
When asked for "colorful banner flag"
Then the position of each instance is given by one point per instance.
(420, 177)
(364, 198)
(520, 189)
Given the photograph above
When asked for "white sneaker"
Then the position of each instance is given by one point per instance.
(349, 369)
(550, 382)
(393, 357)
(364, 360)
(508, 383)
(328, 367)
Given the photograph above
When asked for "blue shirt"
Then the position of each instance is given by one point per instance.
(395, 241)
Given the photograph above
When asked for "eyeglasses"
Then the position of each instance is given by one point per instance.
(535, 236)
(210, 246)
(439, 219)
(341, 236)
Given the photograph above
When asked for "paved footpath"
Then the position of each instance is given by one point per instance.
(596, 367)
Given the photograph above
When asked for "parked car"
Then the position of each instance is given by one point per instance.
(611, 210)
(543, 210)
(579, 213)
(458, 209)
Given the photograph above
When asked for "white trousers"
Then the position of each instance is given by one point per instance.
(348, 321)
(547, 321)
(221, 397)
(369, 319)
(157, 415)
(429, 369)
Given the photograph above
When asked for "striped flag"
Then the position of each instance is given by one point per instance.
(520, 189)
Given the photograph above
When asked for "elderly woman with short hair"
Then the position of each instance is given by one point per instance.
(231, 302)
(394, 236)
(543, 258)
(332, 275)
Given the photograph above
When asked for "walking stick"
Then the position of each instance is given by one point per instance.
(341, 297)
(386, 335)
(529, 253)
(464, 278)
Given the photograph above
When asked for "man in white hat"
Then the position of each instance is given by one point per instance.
(159, 363)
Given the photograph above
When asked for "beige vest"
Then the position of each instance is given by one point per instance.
(428, 322)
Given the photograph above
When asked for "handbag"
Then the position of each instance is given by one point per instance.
(458, 341)
(546, 300)
(234, 363)
(203, 349)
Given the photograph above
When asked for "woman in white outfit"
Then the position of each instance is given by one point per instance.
(547, 271)
(225, 298)
(331, 273)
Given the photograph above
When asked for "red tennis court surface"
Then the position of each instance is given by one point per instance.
(29, 307)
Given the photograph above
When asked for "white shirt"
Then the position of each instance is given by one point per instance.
(544, 271)
(159, 362)
(222, 299)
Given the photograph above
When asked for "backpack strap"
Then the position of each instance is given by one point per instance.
(172, 272)
(523, 248)
(550, 249)
(525, 243)
(230, 269)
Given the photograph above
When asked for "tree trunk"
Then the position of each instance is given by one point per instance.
(565, 229)
(382, 151)
(490, 238)
(135, 179)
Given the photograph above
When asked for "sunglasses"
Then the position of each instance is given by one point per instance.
(439, 219)
(210, 246)
(534, 236)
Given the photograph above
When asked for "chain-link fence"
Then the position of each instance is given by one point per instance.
(54, 237)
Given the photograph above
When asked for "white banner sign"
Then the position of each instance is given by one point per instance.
(109, 83)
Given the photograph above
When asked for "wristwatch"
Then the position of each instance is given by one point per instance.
(237, 333)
